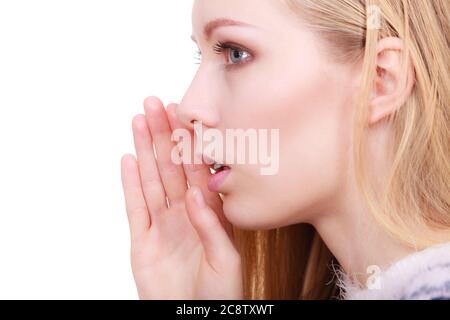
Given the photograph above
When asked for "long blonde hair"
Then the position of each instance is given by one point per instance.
(293, 262)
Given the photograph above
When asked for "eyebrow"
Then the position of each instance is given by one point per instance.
(221, 22)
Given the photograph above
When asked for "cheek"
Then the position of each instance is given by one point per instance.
(311, 113)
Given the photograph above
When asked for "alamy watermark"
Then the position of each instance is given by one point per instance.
(235, 146)
(374, 280)
(374, 17)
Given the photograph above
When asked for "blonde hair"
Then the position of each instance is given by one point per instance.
(293, 262)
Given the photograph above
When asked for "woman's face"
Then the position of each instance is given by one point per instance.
(277, 76)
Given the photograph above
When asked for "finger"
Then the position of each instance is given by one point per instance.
(151, 182)
(137, 213)
(172, 174)
(218, 246)
(198, 174)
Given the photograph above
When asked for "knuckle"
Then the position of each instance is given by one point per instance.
(150, 182)
(169, 169)
(230, 260)
(136, 209)
(212, 222)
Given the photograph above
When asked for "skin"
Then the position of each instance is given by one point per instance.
(288, 81)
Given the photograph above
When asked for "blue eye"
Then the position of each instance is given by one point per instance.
(234, 54)
(237, 56)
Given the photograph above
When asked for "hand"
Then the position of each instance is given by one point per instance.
(184, 250)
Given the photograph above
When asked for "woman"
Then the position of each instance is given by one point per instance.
(359, 91)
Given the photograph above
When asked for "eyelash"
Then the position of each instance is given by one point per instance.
(198, 56)
(220, 48)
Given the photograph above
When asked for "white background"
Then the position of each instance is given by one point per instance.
(72, 76)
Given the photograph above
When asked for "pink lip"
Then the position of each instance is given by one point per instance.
(216, 180)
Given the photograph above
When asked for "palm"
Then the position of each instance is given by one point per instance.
(173, 239)
(174, 244)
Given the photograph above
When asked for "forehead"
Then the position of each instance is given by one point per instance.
(265, 14)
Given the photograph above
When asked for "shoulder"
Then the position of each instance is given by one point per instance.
(424, 275)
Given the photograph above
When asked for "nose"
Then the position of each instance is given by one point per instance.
(199, 103)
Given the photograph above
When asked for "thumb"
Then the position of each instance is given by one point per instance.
(218, 246)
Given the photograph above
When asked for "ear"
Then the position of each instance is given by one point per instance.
(394, 80)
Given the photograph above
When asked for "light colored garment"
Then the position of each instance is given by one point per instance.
(424, 275)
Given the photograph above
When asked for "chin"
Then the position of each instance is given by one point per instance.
(246, 216)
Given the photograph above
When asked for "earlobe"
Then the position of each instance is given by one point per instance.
(394, 79)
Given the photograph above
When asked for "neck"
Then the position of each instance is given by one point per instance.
(356, 240)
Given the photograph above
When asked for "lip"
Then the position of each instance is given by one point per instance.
(217, 180)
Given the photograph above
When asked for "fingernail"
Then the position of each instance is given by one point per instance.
(199, 198)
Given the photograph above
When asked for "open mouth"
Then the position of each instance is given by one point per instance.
(216, 168)
(219, 173)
